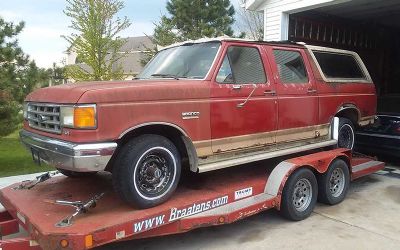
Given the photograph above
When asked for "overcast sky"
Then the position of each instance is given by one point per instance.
(45, 23)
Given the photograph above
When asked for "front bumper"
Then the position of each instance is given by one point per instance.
(67, 155)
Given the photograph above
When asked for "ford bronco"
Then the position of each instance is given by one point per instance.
(201, 105)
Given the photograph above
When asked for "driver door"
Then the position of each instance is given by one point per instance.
(243, 100)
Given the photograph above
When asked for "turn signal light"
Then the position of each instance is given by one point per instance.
(64, 243)
(88, 240)
(84, 117)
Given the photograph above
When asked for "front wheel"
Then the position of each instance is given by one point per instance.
(147, 171)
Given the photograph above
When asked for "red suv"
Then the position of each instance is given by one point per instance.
(202, 105)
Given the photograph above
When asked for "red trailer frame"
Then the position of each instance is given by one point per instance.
(214, 198)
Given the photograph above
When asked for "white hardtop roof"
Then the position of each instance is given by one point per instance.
(207, 39)
(228, 38)
(328, 49)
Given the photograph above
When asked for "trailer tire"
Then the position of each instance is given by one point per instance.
(74, 174)
(334, 183)
(299, 195)
(147, 171)
(346, 135)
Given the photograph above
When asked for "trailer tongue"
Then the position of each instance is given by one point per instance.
(212, 199)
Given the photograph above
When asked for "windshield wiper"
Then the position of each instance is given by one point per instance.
(168, 76)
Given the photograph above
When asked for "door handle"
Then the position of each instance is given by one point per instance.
(311, 91)
(237, 87)
(269, 92)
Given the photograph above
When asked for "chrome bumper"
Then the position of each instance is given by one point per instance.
(67, 155)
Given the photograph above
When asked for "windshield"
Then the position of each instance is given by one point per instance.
(186, 61)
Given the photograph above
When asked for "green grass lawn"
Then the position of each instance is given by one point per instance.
(15, 159)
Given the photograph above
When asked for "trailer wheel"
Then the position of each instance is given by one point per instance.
(334, 183)
(147, 171)
(74, 174)
(346, 134)
(299, 195)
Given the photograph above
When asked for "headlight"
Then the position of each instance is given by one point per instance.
(25, 110)
(80, 116)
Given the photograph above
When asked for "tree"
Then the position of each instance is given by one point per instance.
(96, 40)
(165, 32)
(12, 58)
(195, 19)
(190, 20)
(18, 76)
(12, 62)
(164, 35)
(251, 23)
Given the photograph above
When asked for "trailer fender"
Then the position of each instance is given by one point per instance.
(278, 177)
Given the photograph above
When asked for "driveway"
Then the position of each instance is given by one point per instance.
(367, 219)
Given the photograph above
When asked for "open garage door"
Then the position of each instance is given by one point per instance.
(369, 27)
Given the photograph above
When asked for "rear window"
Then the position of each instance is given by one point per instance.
(339, 66)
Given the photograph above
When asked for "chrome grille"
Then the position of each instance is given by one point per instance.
(44, 116)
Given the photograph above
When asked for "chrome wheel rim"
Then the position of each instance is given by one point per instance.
(154, 173)
(302, 194)
(337, 182)
(346, 137)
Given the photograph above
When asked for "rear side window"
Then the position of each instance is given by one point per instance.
(339, 66)
(290, 66)
(242, 65)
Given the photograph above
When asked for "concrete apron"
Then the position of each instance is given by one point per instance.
(369, 218)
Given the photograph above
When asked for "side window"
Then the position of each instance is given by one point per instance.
(290, 66)
(242, 65)
(225, 72)
(339, 66)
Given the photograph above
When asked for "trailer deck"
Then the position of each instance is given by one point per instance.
(213, 198)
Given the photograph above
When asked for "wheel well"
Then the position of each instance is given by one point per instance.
(311, 168)
(350, 113)
(345, 159)
(317, 173)
(173, 134)
(341, 157)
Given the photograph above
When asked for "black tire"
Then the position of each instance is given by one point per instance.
(346, 135)
(147, 171)
(74, 174)
(334, 183)
(294, 204)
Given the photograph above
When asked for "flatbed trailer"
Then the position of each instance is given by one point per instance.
(216, 198)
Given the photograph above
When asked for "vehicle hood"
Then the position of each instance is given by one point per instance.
(122, 91)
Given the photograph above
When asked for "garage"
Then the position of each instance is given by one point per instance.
(369, 27)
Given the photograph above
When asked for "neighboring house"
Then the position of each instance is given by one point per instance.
(134, 48)
(369, 27)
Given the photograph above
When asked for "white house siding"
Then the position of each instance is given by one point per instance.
(276, 14)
